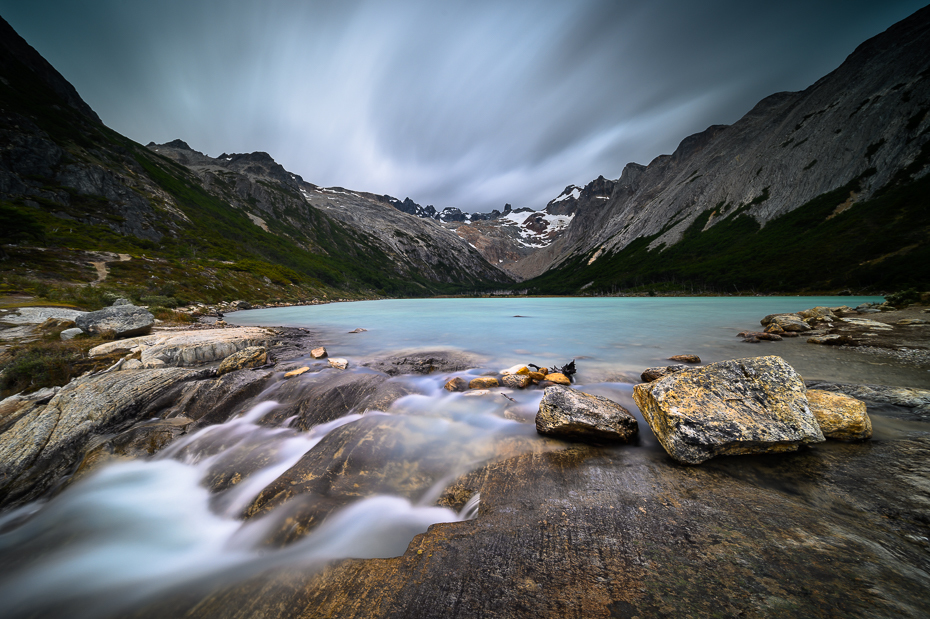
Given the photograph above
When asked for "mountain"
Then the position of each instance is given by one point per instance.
(235, 226)
(822, 189)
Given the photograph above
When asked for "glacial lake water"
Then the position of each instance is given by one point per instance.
(612, 339)
(144, 530)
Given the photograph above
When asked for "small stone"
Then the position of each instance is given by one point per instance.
(537, 376)
(476, 392)
(685, 358)
(840, 416)
(651, 374)
(517, 369)
(456, 384)
(131, 364)
(296, 372)
(69, 334)
(318, 353)
(558, 378)
(517, 381)
(483, 382)
(358, 330)
(220, 323)
(339, 364)
(571, 414)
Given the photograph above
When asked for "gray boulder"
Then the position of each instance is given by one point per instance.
(570, 414)
(69, 334)
(123, 320)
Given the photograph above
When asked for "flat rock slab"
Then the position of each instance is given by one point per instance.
(742, 406)
(189, 348)
(575, 415)
(38, 315)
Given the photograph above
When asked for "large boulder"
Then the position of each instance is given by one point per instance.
(122, 320)
(740, 406)
(840, 416)
(788, 322)
(570, 414)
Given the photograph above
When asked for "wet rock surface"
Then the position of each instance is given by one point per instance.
(574, 415)
(840, 416)
(423, 363)
(742, 406)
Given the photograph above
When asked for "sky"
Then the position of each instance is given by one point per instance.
(453, 103)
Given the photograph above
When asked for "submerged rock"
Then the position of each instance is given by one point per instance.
(339, 364)
(570, 414)
(319, 353)
(741, 406)
(840, 416)
(516, 381)
(423, 363)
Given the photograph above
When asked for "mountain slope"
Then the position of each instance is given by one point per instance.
(75, 187)
(855, 141)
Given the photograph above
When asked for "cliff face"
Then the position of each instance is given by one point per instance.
(275, 200)
(867, 120)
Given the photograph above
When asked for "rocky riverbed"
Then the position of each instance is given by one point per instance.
(574, 529)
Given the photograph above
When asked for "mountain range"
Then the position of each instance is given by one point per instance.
(820, 190)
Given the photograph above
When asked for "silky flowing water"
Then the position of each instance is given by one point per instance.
(134, 531)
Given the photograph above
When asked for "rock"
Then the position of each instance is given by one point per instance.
(834, 339)
(517, 369)
(131, 364)
(907, 397)
(122, 320)
(870, 324)
(685, 358)
(570, 414)
(558, 378)
(761, 335)
(423, 363)
(296, 372)
(537, 376)
(319, 353)
(70, 334)
(121, 301)
(154, 363)
(242, 305)
(251, 357)
(456, 384)
(651, 374)
(819, 313)
(189, 348)
(330, 394)
(358, 330)
(741, 406)
(45, 444)
(788, 322)
(338, 363)
(516, 381)
(840, 416)
(774, 328)
(38, 315)
(483, 382)
(911, 321)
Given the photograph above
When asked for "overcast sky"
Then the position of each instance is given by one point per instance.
(470, 103)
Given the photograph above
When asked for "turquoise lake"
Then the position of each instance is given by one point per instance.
(613, 339)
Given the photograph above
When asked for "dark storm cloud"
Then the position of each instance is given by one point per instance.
(470, 104)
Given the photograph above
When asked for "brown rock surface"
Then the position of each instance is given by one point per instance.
(251, 357)
(558, 378)
(483, 382)
(456, 384)
(685, 358)
(840, 416)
